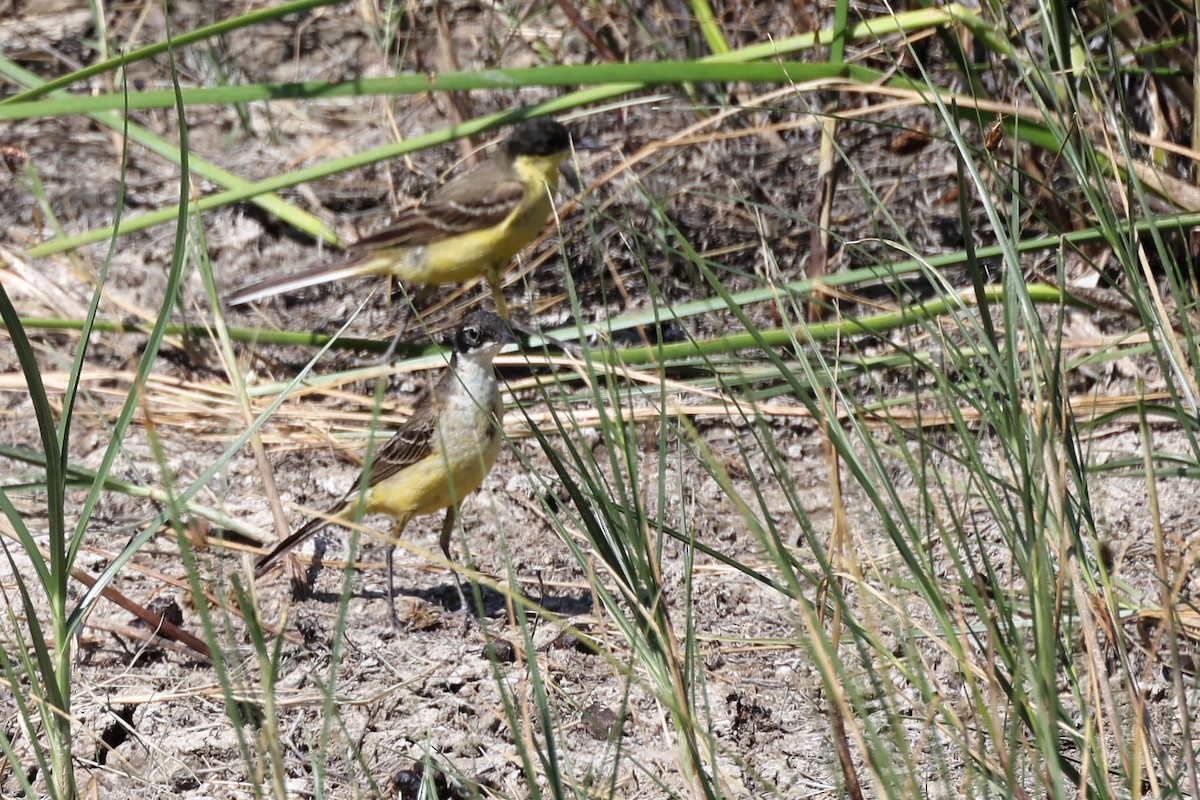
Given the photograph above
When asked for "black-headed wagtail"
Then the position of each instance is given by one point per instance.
(470, 227)
(439, 455)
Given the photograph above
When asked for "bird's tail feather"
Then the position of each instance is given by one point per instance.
(314, 276)
(310, 528)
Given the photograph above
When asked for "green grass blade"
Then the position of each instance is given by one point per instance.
(172, 153)
(182, 40)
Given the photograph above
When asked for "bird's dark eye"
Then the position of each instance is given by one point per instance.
(471, 335)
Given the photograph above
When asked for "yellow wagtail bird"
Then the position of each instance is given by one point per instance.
(468, 228)
(441, 453)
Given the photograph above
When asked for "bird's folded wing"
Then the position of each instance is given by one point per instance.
(448, 213)
(413, 442)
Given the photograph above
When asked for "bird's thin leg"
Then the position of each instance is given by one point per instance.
(444, 541)
(410, 311)
(397, 532)
(494, 283)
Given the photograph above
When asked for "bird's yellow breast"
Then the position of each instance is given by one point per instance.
(466, 446)
(470, 255)
(429, 485)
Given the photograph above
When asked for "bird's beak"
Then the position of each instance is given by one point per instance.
(530, 333)
(508, 336)
(571, 176)
(569, 173)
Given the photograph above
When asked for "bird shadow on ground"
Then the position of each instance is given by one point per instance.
(445, 597)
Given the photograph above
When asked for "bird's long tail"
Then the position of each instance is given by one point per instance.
(310, 528)
(314, 276)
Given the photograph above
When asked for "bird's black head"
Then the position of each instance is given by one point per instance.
(481, 329)
(538, 137)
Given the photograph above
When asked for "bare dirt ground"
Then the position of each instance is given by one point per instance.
(434, 690)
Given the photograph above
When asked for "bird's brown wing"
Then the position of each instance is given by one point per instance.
(413, 442)
(478, 199)
(409, 445)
